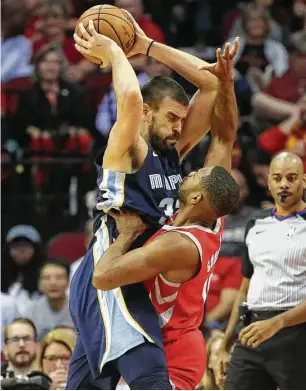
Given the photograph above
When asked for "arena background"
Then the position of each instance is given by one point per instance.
(49, 142)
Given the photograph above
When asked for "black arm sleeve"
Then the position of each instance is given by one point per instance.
(247, 267)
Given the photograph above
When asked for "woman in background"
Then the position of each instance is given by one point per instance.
(22, 256)
(55, 355)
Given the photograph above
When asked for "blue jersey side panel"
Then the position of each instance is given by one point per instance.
(102, 316)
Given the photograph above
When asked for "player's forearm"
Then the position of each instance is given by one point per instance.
(229, 336)
(224, 123)
(125, 82)
(185, 64)
(105, 264)
(295, 316)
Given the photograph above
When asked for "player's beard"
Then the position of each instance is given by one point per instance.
(155, 140)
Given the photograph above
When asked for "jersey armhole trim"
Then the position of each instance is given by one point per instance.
(197, 243)
(193, 239)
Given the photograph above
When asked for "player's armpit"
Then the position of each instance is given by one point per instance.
(198, 120)
(170, 251)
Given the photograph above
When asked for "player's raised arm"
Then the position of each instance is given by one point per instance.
(125, 133)
(224, 123)
(118, 267)
(198, 121)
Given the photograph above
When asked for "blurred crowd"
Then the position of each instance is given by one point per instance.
(57, 109)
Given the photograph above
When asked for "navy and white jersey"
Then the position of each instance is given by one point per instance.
(152, 191)
(111, 323)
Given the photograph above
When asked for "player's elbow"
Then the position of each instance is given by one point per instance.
(208, 82)
(101, 281)
(133, 101)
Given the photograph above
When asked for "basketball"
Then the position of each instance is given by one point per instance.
(112, 22)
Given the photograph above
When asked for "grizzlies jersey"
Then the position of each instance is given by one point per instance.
(152, 191)
(111, 323)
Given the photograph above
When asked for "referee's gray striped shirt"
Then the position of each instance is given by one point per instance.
(275, 262)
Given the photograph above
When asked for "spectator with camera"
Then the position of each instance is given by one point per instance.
(55, 355)
(20, 347)
(52, 308)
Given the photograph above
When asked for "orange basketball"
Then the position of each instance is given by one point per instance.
(112, 22)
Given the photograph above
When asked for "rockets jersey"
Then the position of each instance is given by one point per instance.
(152, 191)
(180, 306)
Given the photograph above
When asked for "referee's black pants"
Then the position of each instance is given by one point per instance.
(279, 362)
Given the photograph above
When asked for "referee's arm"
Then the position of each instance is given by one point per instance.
(294, 316)
(246, 271)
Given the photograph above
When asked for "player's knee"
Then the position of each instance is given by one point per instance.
(152, 380)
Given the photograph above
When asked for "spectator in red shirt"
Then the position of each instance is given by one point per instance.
(135, 7)
(224, 287)
(278, 100)
(151, 29)
(289, 135)
(54, 32)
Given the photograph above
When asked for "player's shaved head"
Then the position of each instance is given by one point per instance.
(287, 180)
(286, 159)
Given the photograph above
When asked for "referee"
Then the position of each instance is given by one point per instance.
(271, 304)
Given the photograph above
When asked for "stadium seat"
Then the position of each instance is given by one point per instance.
(68, 245)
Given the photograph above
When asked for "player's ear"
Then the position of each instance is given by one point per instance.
(304, 181)
(269, 178)
(196, 197)
(147, 113)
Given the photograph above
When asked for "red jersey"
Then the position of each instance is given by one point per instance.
(180, 306)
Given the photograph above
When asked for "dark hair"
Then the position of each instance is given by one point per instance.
(222, 190)
(10, 269)
(157, 88)
(23, 321)
(61, 262)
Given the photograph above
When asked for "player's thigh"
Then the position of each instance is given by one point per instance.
(108, 379)
(144, 358)
(246, 371)
(78, 367)
(186, 359)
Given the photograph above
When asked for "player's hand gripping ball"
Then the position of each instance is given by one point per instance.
(113, 22)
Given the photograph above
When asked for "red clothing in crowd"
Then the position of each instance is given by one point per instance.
(151, 29)
(274, 141)
(72, 55)
(226, 275)
(285, 88)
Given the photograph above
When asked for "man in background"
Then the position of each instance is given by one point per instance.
(52, 308)
(20, 347)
